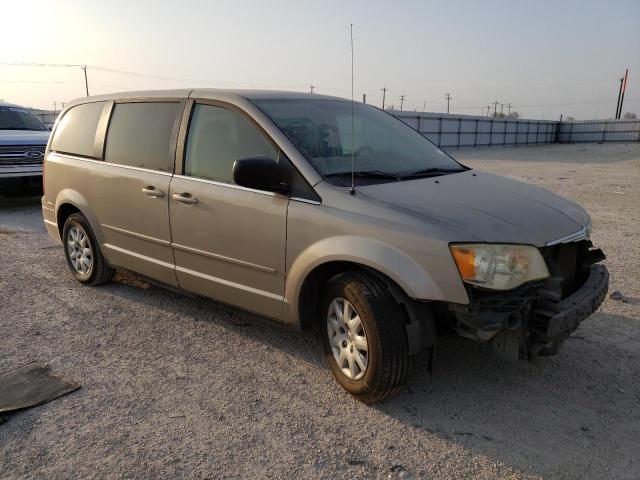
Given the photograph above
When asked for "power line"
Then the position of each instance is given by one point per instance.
(27, 64)
(47, 82)
(128, 72)
(223, 84)
(156, 77)
(36, 81)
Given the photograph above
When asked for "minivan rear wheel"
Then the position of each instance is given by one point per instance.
(82, 252)
(364, 336)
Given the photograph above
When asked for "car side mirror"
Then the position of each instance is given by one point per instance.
(261, 173)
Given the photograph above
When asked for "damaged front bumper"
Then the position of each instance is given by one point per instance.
(536, 319)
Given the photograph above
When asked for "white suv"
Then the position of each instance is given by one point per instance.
(23, 139)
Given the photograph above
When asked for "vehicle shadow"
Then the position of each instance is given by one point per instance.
(28, 200)
(264, 330)
(548, 416)
(16, 191)
(555, 413)
(21, 213)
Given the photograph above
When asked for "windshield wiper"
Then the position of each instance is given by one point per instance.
(20, 128)
(430, 172)
(365, 173)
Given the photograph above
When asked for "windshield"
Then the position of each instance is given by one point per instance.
(384, 149)
(17, 118)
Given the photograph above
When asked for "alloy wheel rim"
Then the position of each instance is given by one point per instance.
(79, 250)
(347, 338)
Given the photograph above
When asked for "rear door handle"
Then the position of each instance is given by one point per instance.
(152, 191)
(185, 198)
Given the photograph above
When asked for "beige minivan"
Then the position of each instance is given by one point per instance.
(323, 214)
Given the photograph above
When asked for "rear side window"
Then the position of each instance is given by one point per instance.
(139, 135)
(76, 132)
(217, 138)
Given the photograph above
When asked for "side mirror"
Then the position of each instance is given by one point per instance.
(261, 173)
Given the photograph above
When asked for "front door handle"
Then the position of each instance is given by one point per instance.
(185, 198)
(152, 191)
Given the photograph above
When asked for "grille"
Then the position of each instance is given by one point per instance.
(568, 262)
(21, 154)
(569, 265)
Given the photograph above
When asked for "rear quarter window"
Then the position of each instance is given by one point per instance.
(139, 135)
(76, 132)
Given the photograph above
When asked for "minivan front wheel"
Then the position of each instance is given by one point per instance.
(364, 336)
(82, 252)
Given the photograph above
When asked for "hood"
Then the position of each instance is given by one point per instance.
(474, 206)
(24, 137)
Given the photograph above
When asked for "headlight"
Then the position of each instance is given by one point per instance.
(498, 267)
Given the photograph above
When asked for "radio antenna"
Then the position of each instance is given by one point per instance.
(353, 182)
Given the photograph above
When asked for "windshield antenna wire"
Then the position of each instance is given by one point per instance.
(353, 183)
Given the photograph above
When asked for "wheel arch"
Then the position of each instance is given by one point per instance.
(69, 202)
(406, 281)
(65, 211)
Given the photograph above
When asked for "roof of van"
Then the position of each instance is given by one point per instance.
(218, 93)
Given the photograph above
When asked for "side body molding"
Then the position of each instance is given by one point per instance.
(387, 259)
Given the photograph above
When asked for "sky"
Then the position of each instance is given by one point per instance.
(545, 58)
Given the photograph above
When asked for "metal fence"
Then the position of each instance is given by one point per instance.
(48, 117)
(602, 131)
(454, 131)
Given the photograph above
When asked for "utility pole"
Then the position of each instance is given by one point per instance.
(495, 108)
(509, 108)
(448, 98)
(384, 94)
(401, 101)
(86, 82)
(55, 106)
(624, 88)
(364, 98)
(619, 95)
(424, 106)
(502, 109)
(311, 87)
(488, 107)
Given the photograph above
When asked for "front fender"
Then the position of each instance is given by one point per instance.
(402, 269)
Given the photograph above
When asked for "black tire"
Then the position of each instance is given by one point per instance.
(384, 322)
(99, 272)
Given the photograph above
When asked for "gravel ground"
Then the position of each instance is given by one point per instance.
(180, 387)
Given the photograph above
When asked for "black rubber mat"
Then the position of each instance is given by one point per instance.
(30, 385)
